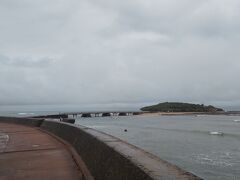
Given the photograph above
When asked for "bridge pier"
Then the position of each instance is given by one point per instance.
(122, 114)
(106, 114)
(86, 115)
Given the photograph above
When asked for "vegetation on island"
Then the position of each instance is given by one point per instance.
(180, 107)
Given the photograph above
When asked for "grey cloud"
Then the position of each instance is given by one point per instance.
(26, 62)
(93, 52)
(198, 18)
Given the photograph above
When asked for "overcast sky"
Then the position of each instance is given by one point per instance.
(112, 51)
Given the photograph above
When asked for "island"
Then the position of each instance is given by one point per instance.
(181, 107)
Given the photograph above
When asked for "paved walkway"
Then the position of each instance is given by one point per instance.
(28, 153)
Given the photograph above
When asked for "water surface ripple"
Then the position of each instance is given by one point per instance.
(186, 141)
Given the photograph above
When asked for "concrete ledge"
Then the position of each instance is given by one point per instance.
(105, 156)
(24, 121)
(53, 116)
(110, 158)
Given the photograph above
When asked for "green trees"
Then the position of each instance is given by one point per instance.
(180, 107)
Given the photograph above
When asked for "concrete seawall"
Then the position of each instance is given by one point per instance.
(105, 156)
(24, 121)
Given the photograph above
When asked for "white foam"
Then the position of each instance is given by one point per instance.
(216, 133)
(97, 126)
(22, 113)
(237, 120)
(214, 159)
(200, 115)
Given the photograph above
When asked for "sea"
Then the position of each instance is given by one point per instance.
(206, 145)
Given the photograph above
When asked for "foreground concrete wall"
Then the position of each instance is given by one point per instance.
(24, 121)
(110, 158)
(107, 157)
(53, 116)
(102, 161)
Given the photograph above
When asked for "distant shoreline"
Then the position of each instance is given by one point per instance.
(170, 113)
(186, 113)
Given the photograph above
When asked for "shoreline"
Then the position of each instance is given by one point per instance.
(181, 113)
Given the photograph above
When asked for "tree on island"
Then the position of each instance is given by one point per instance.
(180, 107)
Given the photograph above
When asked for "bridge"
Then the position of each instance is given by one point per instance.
(89, 114)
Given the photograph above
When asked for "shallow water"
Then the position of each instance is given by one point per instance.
(186, 141)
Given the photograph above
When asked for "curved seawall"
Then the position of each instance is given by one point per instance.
(23, 121)
(105, 156)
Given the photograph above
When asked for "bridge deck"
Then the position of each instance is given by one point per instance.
(28, 153)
